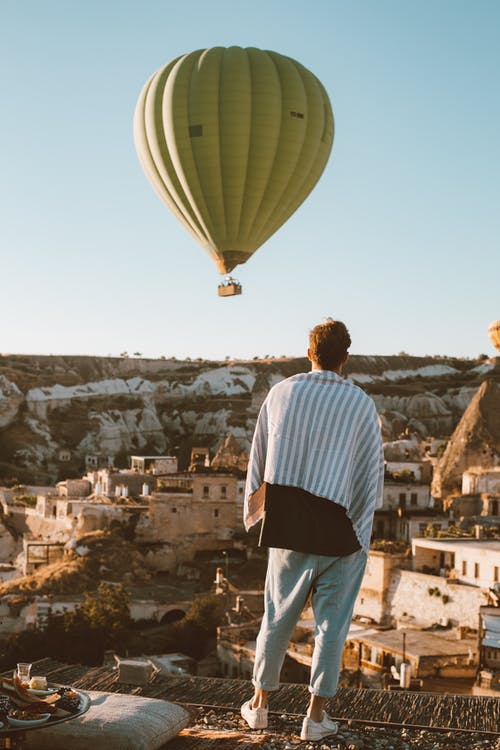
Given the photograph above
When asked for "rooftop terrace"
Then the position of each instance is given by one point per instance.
(368, 718)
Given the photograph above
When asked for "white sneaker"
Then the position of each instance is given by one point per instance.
(256, 718)
(316, 730)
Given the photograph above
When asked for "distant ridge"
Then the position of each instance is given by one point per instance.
(56, 410)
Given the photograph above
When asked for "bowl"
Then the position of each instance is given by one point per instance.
(41, 719)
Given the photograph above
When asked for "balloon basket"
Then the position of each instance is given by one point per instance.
(229, 288)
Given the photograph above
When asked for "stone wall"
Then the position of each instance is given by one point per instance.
(409, 600)
(390, 595)
(53, 529)
(372, 601)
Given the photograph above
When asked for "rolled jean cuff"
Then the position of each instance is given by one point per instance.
(261, 686)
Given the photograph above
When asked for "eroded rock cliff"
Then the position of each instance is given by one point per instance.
(56, 410)
(475, 441)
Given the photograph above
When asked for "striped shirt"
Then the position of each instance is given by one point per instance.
(320, 432)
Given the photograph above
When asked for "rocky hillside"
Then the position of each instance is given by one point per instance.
(54, 410)
(475, 441)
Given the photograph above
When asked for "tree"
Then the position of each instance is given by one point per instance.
(82, 635)
(193, 634)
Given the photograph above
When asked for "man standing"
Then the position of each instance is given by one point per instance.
(315, 477)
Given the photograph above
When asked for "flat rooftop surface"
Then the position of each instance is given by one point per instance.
(370, 707)
(418, 642)
(479, 544)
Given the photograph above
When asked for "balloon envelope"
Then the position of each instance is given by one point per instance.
(233, 140)
(494, 334)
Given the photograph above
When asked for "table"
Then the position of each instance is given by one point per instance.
(12, 738)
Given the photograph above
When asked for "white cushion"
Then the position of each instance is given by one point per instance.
(114, 722)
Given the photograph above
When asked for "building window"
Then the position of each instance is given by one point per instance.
(174, 510)
(195, 131)
(495, 573)
(402, 499)
(299, 115)
(223, 492)
(413, 498)
(216, 513)
(206, 490)
(464, 567)
(476, 570)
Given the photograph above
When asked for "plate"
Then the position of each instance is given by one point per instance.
(42, 718)
(48, 691)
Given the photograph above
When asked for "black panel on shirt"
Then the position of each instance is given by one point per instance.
(298, 520)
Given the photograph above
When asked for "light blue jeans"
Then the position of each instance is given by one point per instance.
(334, 583)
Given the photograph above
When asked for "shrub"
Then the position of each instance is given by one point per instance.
(193, 634)
(78, 636)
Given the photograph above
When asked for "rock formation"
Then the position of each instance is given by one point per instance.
(230, 456)
(56, 410)
(475, 442)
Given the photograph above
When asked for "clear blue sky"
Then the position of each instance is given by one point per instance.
(400, 238)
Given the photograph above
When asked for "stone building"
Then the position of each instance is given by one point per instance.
(402, 502)
(121, 483)
(392, 593)
(489, 649)
(430, 654)
(477, 480)
(200, 513)
(154, 464)
(75, 487)
(374, 602)
(407, 502)
(475, 562)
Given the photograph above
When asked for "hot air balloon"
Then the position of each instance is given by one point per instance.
(494, 334)
(233, 140)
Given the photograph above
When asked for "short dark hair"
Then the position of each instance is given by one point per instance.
(328, 344)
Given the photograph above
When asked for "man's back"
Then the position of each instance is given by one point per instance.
(317, 431)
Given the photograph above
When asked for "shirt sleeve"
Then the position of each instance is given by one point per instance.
(256, 467)
(379, 497)
(369, 463)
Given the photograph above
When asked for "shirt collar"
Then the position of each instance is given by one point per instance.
(326, 375)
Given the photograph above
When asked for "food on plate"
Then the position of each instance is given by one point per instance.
(24, 694)
(38, 683)
(5, 705)
(28, 718)
(69, 700)
(24, 715)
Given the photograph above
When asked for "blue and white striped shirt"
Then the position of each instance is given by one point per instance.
(320, 432)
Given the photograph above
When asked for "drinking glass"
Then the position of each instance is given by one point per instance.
(24, 671)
